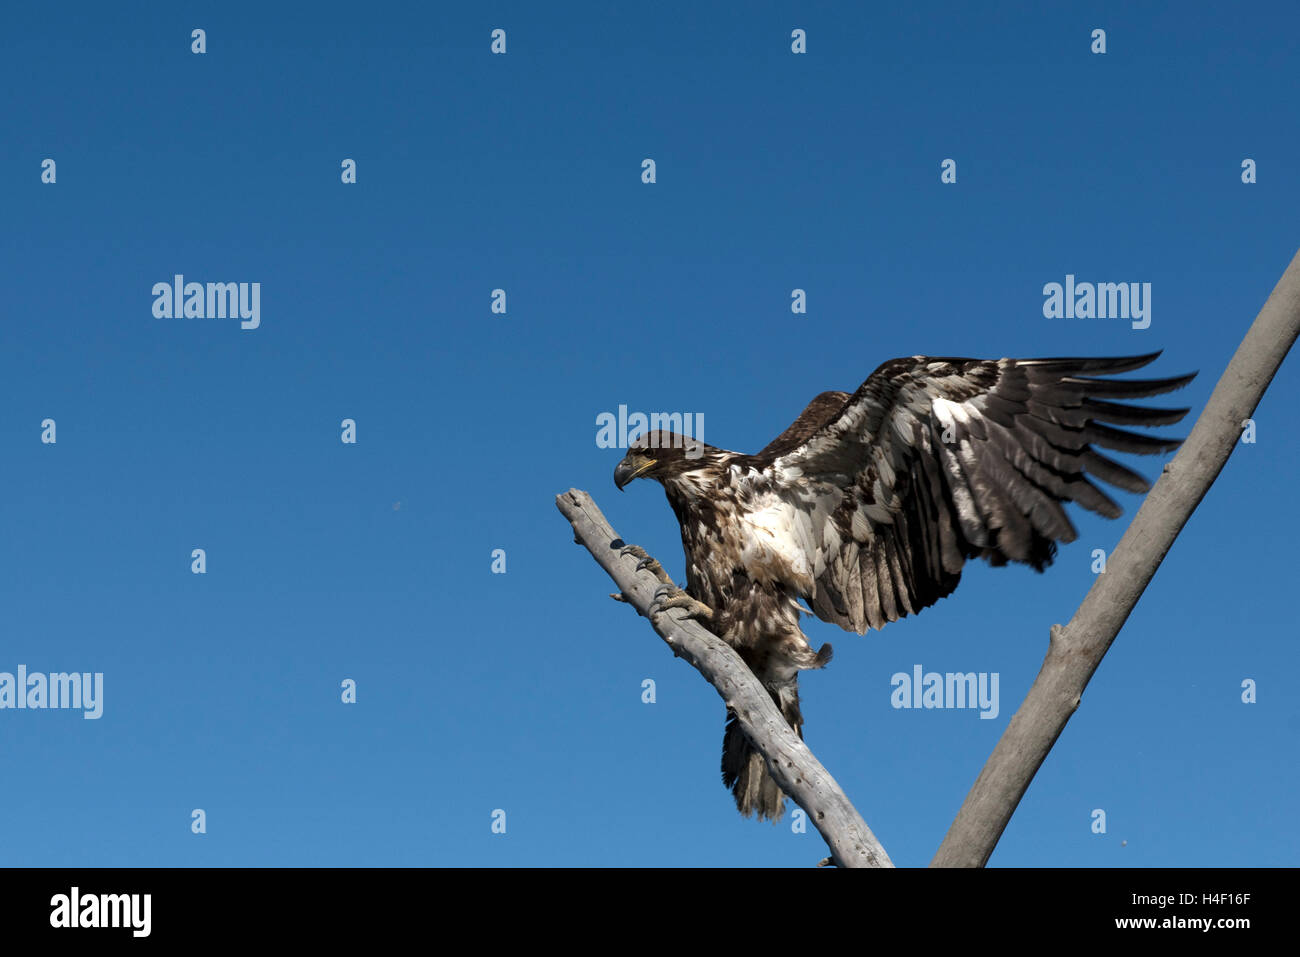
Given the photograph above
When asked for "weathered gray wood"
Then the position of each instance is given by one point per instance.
(1075, 651)
(793, 765)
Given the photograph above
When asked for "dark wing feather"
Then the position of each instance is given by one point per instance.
(937, 460)
(819, 411)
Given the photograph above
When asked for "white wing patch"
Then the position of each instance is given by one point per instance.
(949, 413)
(776, 542)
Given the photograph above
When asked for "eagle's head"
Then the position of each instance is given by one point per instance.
(661, 456)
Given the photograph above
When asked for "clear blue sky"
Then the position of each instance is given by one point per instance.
(372, 561)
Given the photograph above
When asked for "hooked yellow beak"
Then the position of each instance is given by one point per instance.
(634, 465)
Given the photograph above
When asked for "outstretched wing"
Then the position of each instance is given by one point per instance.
(937, 460)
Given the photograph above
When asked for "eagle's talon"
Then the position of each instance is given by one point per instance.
(670, 596)
(656, 569)
(646, 562)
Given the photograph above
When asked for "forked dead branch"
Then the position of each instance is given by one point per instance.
(1074, 651)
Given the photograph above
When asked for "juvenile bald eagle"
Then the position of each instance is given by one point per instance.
(868, 505)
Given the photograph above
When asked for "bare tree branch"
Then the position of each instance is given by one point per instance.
(1076, 650)
(793, 765)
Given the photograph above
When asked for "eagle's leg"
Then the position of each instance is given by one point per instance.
(670, 596)
(647, 562)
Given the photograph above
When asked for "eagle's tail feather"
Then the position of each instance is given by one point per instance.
(745, 771)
